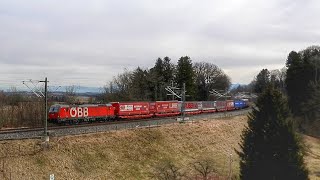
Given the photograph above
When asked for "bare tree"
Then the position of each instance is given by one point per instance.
(108, 92)
(205, 167)
(277, 78)
(71, 94)
(209, 76)
(2, 98)
(166, 170)
(119, 88)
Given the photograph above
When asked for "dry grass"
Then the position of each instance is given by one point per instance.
(132, 154)
(313, 156)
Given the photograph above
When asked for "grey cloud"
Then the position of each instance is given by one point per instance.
(88, 42)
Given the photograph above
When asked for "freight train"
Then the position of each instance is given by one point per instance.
(73, 114)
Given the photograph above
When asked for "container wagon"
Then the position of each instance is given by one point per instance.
(132, 110)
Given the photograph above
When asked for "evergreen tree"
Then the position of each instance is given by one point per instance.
(185, 74)
(311, 108)
(277, 78)
(270, 147)
(139, 85)
(302, 69)
(168, 70)
(162, 76)
(262, 81)
(296, 83)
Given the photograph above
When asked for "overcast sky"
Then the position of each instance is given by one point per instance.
(86, 43)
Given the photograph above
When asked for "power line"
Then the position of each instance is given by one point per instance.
(37, 91)
(218, 94)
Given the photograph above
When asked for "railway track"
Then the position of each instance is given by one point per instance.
(28, 133)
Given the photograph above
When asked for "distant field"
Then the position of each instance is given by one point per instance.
(135, 154)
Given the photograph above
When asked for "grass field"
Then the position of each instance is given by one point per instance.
(135, 154)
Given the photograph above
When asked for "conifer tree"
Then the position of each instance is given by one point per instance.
(302, 69)
(311, 108)
(185, 74)
(262, 80)
(271, 149)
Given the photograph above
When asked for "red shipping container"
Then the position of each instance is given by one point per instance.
(208, 106)
(152, 107)
(221, 105)
(132, 109)
(193, 107)
(166, 108)
(230, 105)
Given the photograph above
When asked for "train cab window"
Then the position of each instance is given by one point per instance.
(54, 109)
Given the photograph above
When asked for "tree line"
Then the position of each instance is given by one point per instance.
(271, 148)
(149, 84)
(299, 81)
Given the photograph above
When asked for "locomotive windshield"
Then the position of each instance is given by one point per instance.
(54, 109)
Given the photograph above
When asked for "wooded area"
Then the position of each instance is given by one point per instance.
(149, 84)
(300, 83)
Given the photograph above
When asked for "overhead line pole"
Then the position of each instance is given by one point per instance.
(172, 93)
(183, 101)
(46, 106)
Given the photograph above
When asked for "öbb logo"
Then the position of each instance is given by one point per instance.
(79, 112)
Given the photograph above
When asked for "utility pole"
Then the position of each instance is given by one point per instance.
(183, 101)
(181, 96)
(46, 106)
(172, 86)
(156, 93)
(38, 92)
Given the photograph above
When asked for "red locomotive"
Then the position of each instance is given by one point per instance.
(74, 114)
(136, 110)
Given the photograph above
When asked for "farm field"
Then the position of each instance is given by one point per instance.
(136, 154)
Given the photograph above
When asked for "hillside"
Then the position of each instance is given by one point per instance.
(134, 154)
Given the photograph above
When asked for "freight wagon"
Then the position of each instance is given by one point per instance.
(192, 107)
(132, 110)
(230, 105)
(240, 104)
(221, 106)
(209, 106)
(165, 108)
